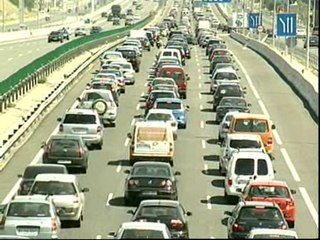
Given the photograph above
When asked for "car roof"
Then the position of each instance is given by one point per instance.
(269, 183)
(173, 100)
(151, 163)
(164, 111)
(80, 111)
(248, 136)
(273, 231)
(144, 225)
(47, 177)
(158, 202)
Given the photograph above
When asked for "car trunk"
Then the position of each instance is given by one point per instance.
(27, 227)
(258, 223)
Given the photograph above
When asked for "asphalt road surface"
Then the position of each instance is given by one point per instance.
(15, 55)
(200, 186)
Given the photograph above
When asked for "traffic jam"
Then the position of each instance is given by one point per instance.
(50, 195)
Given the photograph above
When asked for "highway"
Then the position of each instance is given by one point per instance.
(200, 186)
(15, 55)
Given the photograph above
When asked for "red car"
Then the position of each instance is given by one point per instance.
(273, 191)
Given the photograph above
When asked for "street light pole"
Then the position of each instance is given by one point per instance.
(260, 17)
(314, 13)
(274, 22)
(2, 15)
(308, 35)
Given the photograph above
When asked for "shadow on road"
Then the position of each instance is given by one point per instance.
(211, 158)
(213, 141)
(211, 172)
(122, 162)
(218, 183)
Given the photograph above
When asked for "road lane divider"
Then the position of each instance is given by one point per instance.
(209, 205)
(133, 121)
(201, 124)
(110, 195)
(200, 96)
(200, 86)
(138, 106)
(290, 165)
(310, 206)
(126, 142)
(98, 237)
(203, 144)
(201, 107)
(118, 168)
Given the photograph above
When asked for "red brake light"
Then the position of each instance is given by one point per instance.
(237, 228)
(54, 225)
(176, 223)
(99, 129)
(173, 124)
(284, 227)
(290, 203)
(229, 181)
(269, 141)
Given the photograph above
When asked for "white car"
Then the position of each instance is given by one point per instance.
(224, 125)
(142, 230)
(165, 115)
(67, 196)
(235, 141)
(128, 71)
(265, 233)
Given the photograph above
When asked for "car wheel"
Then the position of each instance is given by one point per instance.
(77, 223)
(137, 69)
(184, 126)
(68, 38)
(113, 124)
(123, 90)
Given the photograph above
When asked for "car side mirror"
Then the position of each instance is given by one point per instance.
(111, 234)
(249, 105)
(43, 144)
(129, 135)
(293, 191)
(239, 77)
(85, 190)
(130, 211)
(189, 213)
(228, 213)
(273, 126)
(59, 119)
(78, 99)
(274, 171)
(237, 69)
(177, 173)
(126, 171)
(19, 175)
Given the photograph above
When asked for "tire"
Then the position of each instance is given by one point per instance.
(100, 105)
(84, 170)
(291, 224)
(137, 69)
(171, 163)
(77, 223)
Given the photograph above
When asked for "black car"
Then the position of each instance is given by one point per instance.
(132, 57)
(150, 180)
(226, 90)
(95, 29)
(104, 14)
(313, 41)
(211, 43)
(252, 214)
(69, 150)
(219, 59)
(55, 36)
(168, 212)
(228, 104)
(31, 171)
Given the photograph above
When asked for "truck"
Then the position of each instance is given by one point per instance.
(116, 10)
(204, 24)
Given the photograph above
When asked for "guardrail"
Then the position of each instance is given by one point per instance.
(37, 112)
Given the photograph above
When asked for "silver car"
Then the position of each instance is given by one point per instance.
(83, 122)
(102, 101)
(68, 198)
(30, 216)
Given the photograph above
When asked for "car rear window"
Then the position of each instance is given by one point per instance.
(263, 212)
(92, 96)
(53, 188)
(244, 166)
(175, 75)
(168, 105)
(152, 134)
(159, 212)
(233, 102)
(32, 172)
(159, 117)
(28, 209)
(269, 191)
(151, 171)
(141, 234)
(251, 125)
(244, 143)
(128, 53)
(58, 145)
(262, 167)
(80, 119)
(156, 95)
(225, 75)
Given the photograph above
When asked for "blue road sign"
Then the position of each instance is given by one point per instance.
(254, 20)
(216, 1)
(286, 25)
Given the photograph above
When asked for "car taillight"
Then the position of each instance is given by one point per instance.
(99, 129)
(269, 141)
(290, 203)
(76, 199)
(248, 199)
(176, 223)
(284, 227)
(60, 128)
(166, 183)
(54, 225)
(237, 228)
(229, 181)
(173, 124)
(133, 182)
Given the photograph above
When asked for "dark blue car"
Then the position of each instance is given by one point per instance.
(178, 108)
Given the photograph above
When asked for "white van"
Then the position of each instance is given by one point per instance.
(243, 167)
(151, 140)
(170, 53)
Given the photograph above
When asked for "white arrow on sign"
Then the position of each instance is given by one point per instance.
(289, 25)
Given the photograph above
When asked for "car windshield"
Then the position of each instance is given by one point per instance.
(168, 105)
(32, 172)
(158, 117)
(53, 188)
(158, 212)
(232, 90)
(58, 145)
(128, 53)
(260, 213)
(244, 166)
(141, 234)
(244, 143)
(251, 125)
(234, 102)
(269, 191)
(28, 209)
(80, 119)
(151, 134)
(156, 171)
(175, 75)
(156, 95)
(225, 75)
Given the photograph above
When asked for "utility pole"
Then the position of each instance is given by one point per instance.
(274, 23)
(21, 12)
(308, 35)
(2, 15)
(260, 17)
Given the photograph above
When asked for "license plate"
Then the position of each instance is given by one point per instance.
(27, 232)
(143, 146)
(149, 193)
(64, 162)
(80, 130)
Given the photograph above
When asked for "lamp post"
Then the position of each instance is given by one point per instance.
(274, 22)
(260, 17)
(2, 15)
(308, 36)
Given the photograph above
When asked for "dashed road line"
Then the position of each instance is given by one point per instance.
(277, 137)
(201, 107)
(138, 106)
(20, 55)
(203, 143)
(290, 165)
(201, 124)
(200, 96)
(110, 195)
(199, 85)
(133, 122)
(142, 94)
(310, 205)
(98, 237)
(263, 108)
(200, 77)
(126, 142)
(29, 51)
(199, 70)
(209, 206)
(10, 59)
(118, 168)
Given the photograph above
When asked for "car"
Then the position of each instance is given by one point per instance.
(131, 56)
(267, 233)
(128, 71)
(219, 59)
(166, 81)
(85, 123)
(150, 180)
(102, 101)
(177, 107)
(313, 41)
(166, 116)
(129, 21)
(65, 33)
(95, 29)
(141, 230)
(169, 212)
(235, 142)
(227, 90)
(66, 149)
(248, 215)
(224, 125)
(223, 75)
(227, 104)
(81, 31)
(301, 33)
(30, 216)
(273, 191)
(67, 195)
(115, 21)
(119, 75)
(55, 36)
(158, 94)
(223, 65)
(32, 170)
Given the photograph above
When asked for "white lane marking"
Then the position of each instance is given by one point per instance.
(290, 165)
(201, 124)
(200, 77)
(263, 108)
(199, 85)
(310, 205)
(10, 59)
(20, 55)
(209, 206)
(98, 237)
(199, 70)
(138, 106)
(142, 94)
(118, 168)
(146, 84)
(126, 142)
(200, 96)
(29, 51)
(133, 122)
(203, 143)
(206, 167)
(201, 107)
(212, 237)
(198, 64)
(277, 137)
(110, 195)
